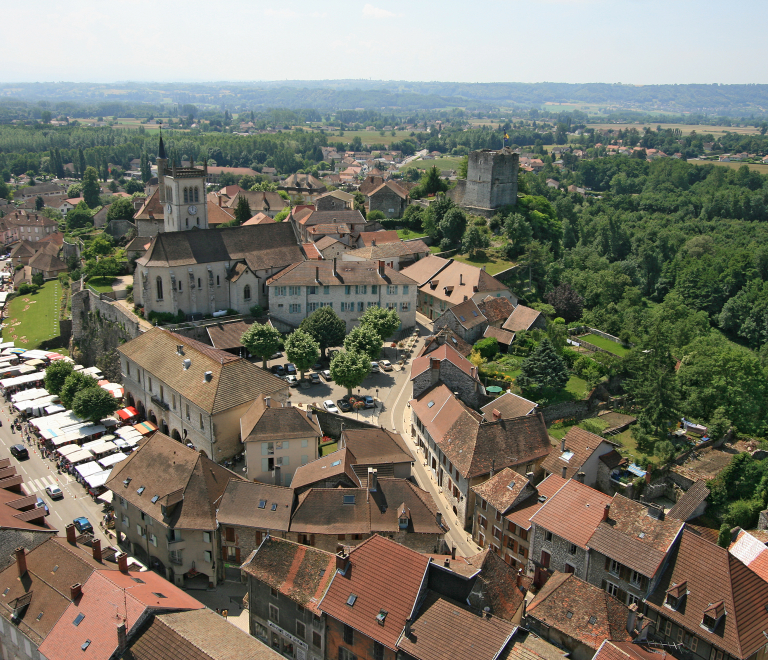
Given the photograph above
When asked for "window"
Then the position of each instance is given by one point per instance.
(140, 531)
(279, 290)
(247, 292)
(197, 196)
(311, 307)
(612, 588)
(312, 290)
(187, 412)
(404, 307)
(347, 290)
(482, 522)
(483, 505)
(548, 537)
(360, 306)
(405, 289)
(301, 630)
(202, 426)
(149, 382)
(230, 534)
(680, 635)
(392, 289)
(349, 635)
(378, 651)
(126, 522)
(186, 199)
(218, 280)
(272, 592)
(496, 532)
(374, 288)
(361, 288)
(572, 549)
(274, 614)
(614, 567)
(153, 539)
(159, 288)
(173, 401)
(667, 628)
(326, 289)
(636, 579)
(207, 556)
(344, 654)
(294, 290)
(317, 640)
(633, 600)
(715, 654)
(294, 308)
(123, 503)
(206, 537)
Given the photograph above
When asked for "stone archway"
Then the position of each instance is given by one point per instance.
(176, 435)
(163, 427)
(129, 401)
(153, 417)
(140, 409)
(203, 452)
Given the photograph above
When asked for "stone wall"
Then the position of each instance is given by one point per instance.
(119, 228)
(455, 379)
(330, 423)
(70, 250)
(559, 552)
(491, 179)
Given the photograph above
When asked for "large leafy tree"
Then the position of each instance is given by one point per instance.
(262, 341)
(350, 369)
(302, 349)
(73, 384)
(56, 374)
(364, 339)
(566, 301)
(91, 187)
(94, 403)
(121, 209)
(326, 327)
(79, 217)
(544, 369)
(383, 321)
(453, 225)
(474, 240)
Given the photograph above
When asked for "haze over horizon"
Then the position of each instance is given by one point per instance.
(639, 42)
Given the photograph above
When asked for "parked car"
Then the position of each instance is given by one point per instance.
(374, 367)
(278, 370)
(20, 452)
(344, 405)
(82, 525)
(368, 401)
(385, 365)
(40, 504)
(292, 381)
(54, 492)
(314, 379)
(276, 355)
(290, 368)
(330, 406)
(327, 375)
(317, 366)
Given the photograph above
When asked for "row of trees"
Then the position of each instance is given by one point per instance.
(79, 392)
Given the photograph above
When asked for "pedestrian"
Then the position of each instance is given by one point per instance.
(224, 613)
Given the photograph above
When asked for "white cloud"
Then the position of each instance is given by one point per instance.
(375, 12)
(290, 13)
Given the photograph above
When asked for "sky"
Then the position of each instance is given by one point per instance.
(627, 41)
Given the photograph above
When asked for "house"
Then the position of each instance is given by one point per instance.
(286, 582)
(303, 185)
(195, 393)
(496, 310)
(396, 255)
(710, 602)
(306, 222)
(389, 198)
(331, 248)
(31, 226)
(508, 406)
(524, 319)
(268, 203)
(165, 497)
(462, 451)
(635, 650)
(249, 512)
(38, 190)
(259, 219)
(214, 173)
(446, 365)
(444, 283)
(218, 215)
(48, 264)
(277, 440)
(580, 451)
(336, 200)
(22, 252)
(369, 238)
(226, 336)
(350, 287)
(205, 271)
(334, 470)
(577, 616)
(370, 183)
(465, 319)
(445, 336)
(503, 338)
(394, 508)
(379, 449)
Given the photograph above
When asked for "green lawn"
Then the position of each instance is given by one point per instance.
(575, 390)
(442, 164)
(493, 263)
(409, 234)
(33, 319)
(607, 344)
(329, 448)
(101, 284)
(558, 431)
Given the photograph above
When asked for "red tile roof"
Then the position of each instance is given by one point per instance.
(504, 489)
(379, 237)
(521, 319)
(438, 409)
(375, 566)
(522, 513)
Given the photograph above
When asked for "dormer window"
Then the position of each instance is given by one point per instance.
(712, 615)
(675, 595)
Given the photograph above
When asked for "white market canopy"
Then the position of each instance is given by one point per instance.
(36, 377)
(98, 479)
(112, 459)
(35, 354)
(78, 456)
(57, 421)
(55, 408)
(87, 469)
(25, 395)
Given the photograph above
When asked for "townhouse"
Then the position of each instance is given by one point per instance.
(579, 452)
(446, 365)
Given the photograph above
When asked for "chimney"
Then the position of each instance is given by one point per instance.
(461, 279)
(373, 481)
(373, 242)
(71, 534)
(122, 562)
(407, 631)
(439, 519)
(435, 364)
(267, 401)
(121, 637)
(529, 476)
(496, 414)
(493, 468)
(447, 562)
(453, 552)
(75, 591)
(456, 395)
(606, 512)
(381, 269)
(562, 445)
(219, 196)
(317, 274)
(96, 545)
(335, 272)
(519, 577)
(632, 618)
(565, 472)
(580, 477)
(342, 561)
(21, 561)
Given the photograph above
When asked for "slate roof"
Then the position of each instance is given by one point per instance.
(509, 405)
(195, 635)
(261, 246)
(186, 482)
(227, 335)
(234, 382)
(445, 336)
(496, 309)
(298, 571)
(240, 506)
(347, 272)
(573, 513)
(712, 575)
(503, 489)
(564, 593)
(326, 467)
(445, 352)
(689, 502)
(467, 314)
(521, 319)
(389, 250)
(335, 217)
(634, 538)
(261, 423)
(374, 566)
(433, 632)
(579, 446)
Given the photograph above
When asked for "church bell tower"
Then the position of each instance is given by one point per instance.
(182, 194)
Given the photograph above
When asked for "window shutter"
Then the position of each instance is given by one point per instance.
(623, 572)
(264, 449)
(607, 564)
(604, 585)
(285, 444)
(341, 654)
(286, 462)
(621, 595)
(305, 443)
(265, 465)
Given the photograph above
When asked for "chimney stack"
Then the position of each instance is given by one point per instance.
(122, 562)
(381, 269)
(606, 512)
(407, 631)
(580, 477)
(447, 562)
(71, 534)
(496, 414)
(372, 480)
(335, 272)
(219, 200)
(461, 279)
(121, 637)
(453, 552)
(632, 618)
(562, 445)
(342, 561)
(96, 545)
(529, 476)
(373, 242)
(519, 576)
(565, 472)
(75, 591)
(21, 561)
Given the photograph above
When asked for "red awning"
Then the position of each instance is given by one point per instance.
(127, 413)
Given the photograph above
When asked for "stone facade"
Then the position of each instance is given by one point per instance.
(14, 643)
(620, 581)
(425, 543)
(388, 202)
(491, 179)
(552, 552)
(263, 457)
(448, 320)
(509, 541)
(470, 389)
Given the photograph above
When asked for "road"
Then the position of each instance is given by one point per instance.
(39, 472)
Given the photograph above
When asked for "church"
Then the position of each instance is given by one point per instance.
(191, 268)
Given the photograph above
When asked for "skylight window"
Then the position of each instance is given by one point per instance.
(7, 589)
(141, 490)
(159, 595)
(474, 313)
(262, 504)
(79, 619)
(430, 404)
(127, 481)
(138, 580)
(592, 620)
(335, 463)
(569, 615)
(461, 318)
(349, 499)
(351, 600)
(566, 455)
(39, 616)
(274, 506)
(86, 644)
(55, 568)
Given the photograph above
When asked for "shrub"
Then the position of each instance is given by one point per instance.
(27, 289)
(163, 318)
(487, 347)
(257, 311)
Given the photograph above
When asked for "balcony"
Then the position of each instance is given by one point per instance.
(159, 402)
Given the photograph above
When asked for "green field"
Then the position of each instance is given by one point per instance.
(575, 390)
(442, 164)
(33, 319)
(368, 137)
(607, 344)
(409, 234)
(760, 167)
(493, 264)
(101, 284)
(717, 131)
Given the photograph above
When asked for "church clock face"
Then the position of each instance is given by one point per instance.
(192, 210)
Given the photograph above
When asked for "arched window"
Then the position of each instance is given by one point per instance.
(159, 288)
(247, 292)
(186, 199)
(169, 190)
(197, 199)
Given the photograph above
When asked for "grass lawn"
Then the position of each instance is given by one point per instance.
(759, 167)
(101, 284)
(629, 447)
(32, 319)
(558, 432)
(493, 263)
(575, 389)
(408, 234)
(607, 344)
(329, 448)
(447, 163)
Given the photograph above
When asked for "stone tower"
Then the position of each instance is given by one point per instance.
(491, 180)
(182, 193)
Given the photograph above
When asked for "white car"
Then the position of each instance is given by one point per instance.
(374, 367)
(326, 374)
(330, 406)
(385, 365)
(54, 492)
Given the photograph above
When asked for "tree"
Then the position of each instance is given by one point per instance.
(474, 240)
(487, 348)
(242, 210)
(566, 301)
(349, 369)
(543, 369)
(463, 167)
(326, 327)
(364, 339)
(38, 279)
(146, 169)
(75, 190)
(79, 217)
(375, 215)
(94, 403)
(133, 186)
(302, 349)
(73, 384)
(113, 186)
(262, 341)
(56, 374)
(384, 321)
(39, 203)
(91, 187)
(665, 450)
(121, 209)
(453, 225)
(105, 267)
(431, 182)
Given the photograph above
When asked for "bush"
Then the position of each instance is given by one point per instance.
(487, 347)
(256, 311)
(27, 289)
(665, 450)
(375, 215)
(163, 318)
(570, 356)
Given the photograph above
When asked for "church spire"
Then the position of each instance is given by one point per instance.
(161, 148)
